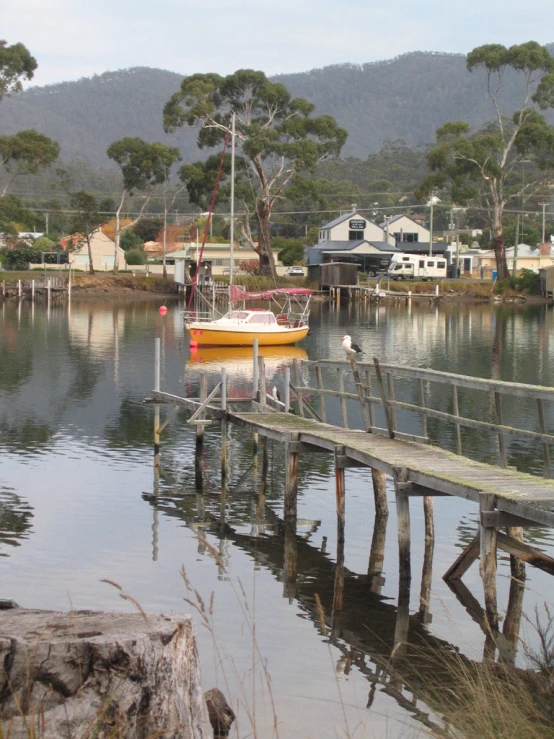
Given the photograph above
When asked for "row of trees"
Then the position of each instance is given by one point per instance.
(280, 143)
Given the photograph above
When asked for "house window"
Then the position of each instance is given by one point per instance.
(355, 235)
(406, 237)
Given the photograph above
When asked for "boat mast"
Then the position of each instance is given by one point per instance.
(232, 224)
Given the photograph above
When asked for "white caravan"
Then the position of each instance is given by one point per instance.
(416, 267)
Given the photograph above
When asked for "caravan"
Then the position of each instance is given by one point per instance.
(417, 267)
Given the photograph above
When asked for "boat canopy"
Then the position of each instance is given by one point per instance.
(236, 293)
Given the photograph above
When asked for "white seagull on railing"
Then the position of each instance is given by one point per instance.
(275, 393)
(350, 348)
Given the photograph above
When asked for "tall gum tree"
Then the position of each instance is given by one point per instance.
(276, 138)
(143, 166)
(16, 64)
(486, 165)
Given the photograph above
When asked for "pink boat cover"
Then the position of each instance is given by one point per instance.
(236, 293)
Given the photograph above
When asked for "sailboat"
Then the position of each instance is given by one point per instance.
(240, 326)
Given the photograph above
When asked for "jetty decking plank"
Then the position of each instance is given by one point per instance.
(430, 466)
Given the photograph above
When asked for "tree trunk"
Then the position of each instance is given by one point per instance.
(267, 263)
(82, 674)
(498, 244)
(90, 264)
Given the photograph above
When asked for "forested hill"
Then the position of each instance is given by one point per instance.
(407, 97)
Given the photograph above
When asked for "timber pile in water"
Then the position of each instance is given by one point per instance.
(83, 674)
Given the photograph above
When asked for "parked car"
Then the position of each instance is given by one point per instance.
(294, 272)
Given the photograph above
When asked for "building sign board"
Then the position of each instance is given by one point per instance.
(357, 224)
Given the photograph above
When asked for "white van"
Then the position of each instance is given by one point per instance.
(416, 267)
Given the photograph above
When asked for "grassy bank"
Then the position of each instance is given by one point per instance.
(123, 282)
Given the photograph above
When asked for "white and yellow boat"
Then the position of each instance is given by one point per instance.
(241, 327)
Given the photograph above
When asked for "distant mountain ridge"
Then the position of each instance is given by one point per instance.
(407, 97)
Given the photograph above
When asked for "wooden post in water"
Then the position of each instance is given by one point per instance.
(338, 592)
(427, 572)
(487, 565)
(255, 396)
(377, 553)
(157, 383)
(261, 378)
(290, 516)
(200, 428)
(19, 289)
(223, 445)
(32, 290)
(286, 394)
(48, 289)
(4, 288)
(403, 523)
(512, 621)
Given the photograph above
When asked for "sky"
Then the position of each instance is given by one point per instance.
(77, 38)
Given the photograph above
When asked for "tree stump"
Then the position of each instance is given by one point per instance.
(83, 674)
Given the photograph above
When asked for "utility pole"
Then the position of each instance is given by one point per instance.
(543, 221)
(434, 199)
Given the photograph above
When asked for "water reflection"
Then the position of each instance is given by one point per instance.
(15, 520)
(76, 442)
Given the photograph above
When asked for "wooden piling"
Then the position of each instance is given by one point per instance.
(403, 524)
(427, 571)
(377, 553)
(32, 290)
(338, 594)
(286, 393)
(487, 565)
(19, 289)
(223, 445)
(290, 516)
(200, 428)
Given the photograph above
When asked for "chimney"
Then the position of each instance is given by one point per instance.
(545, 249)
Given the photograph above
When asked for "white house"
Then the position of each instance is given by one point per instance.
(103, 253)
(404, 229)
(351, 227)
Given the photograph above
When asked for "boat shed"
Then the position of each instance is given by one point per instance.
(333, 274)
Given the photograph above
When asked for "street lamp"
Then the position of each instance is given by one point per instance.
(433, 200)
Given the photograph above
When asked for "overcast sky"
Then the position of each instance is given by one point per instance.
(78, 38)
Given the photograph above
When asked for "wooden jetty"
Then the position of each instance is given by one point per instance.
(507, 499)
(369, 294)
(47, 287)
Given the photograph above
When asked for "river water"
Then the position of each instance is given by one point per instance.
(80, 502)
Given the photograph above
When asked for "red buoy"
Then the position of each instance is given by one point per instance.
(163, 310)
(193, 344)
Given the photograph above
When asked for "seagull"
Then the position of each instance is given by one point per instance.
(350, 348)
(275, 394)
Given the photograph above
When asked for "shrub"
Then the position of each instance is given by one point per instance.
(135, 256)
(250, 266)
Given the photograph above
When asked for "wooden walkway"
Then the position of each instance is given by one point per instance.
(508, 499)
(433, 470)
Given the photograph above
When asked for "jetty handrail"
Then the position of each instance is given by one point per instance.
(385, 374)
(449, 378)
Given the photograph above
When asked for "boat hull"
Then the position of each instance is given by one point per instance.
(210, 335)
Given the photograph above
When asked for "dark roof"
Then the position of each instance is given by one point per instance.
(337, 245)
(422, 247)
(385, 246)
(349, 245)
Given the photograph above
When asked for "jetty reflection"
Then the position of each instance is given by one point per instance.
(390, 646)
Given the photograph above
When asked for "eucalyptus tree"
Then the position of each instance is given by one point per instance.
(25, 153)
(16, 64)
(486, 165)
(87, 219)
(143, 166)
(276, 136)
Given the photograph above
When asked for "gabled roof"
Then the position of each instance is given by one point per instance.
(397, 218)
(347, 217)
(349, 245)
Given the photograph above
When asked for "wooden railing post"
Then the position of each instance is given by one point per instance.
(545, 446)
(457, 413)
(319, 378)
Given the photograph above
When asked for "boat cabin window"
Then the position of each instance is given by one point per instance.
(240, 315)
(262, 318)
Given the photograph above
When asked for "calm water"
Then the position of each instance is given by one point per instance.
(80, 501)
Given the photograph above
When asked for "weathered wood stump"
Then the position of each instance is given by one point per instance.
(85, 674)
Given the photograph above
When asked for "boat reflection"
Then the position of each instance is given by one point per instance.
(237, 360)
